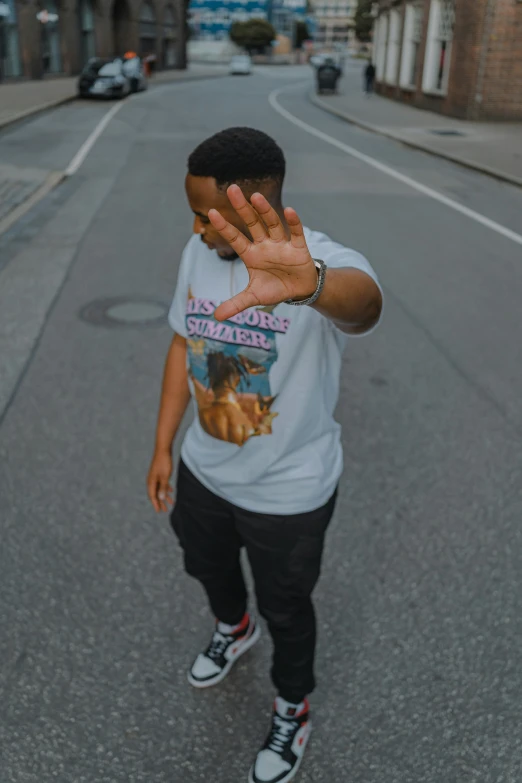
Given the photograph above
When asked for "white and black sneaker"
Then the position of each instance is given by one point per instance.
(280, 757)
(224, 649)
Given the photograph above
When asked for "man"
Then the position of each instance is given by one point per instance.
(260, 314)
(369, 78)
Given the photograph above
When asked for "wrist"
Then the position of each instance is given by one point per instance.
(319, 269)
(163, 449)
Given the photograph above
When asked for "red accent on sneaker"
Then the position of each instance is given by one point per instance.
(243, 625)
(301, 740)
(306, 708)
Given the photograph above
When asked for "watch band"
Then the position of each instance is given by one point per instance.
(321, 276)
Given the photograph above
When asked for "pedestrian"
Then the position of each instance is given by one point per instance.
(260, 315)
(369, 78)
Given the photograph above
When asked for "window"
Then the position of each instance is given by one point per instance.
(394, 45)
(438, 49)
(50, 38)
(413, 24)
(147, 29)
(87, 30)
(9, 49)
(170, 36)
(381, 45)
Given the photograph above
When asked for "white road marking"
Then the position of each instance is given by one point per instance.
(87, 146)
(376, 164)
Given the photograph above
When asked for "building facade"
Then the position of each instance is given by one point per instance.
(284, 15)
(41, 38)
(335, 22)
(210, 20)
(459, 57)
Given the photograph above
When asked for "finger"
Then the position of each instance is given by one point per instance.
(165, 493)
(152, 489)
(163, 501)
(297, 236)
(237, 304)
(230, 233)
(270, 217)
(167, 499)
(247, 213)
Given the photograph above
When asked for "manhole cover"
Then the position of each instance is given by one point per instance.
(125, 312)
(447, 132)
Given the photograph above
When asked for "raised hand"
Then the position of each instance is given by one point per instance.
(279, 263)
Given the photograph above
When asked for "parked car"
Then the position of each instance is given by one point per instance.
(240, 65)
(114, 78)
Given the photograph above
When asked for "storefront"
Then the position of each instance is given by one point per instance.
(58, 37)
(10, 65)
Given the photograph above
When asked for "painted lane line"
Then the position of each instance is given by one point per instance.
(87, 146)
(391, 172)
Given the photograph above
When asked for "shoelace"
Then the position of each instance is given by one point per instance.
(218, 645)
(281, 733)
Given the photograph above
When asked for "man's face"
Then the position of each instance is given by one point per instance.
(203, 195)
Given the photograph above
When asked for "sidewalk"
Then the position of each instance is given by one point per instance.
(493, 148)
(21, 99)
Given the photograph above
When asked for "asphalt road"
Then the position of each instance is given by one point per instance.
(420, 603)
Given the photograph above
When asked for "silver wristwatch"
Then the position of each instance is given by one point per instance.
(321, 276)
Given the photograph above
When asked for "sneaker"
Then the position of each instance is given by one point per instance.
(280, 757)
(214, 664)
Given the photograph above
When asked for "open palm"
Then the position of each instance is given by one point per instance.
(280, 267)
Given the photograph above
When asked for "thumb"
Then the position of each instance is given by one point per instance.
(237, 304)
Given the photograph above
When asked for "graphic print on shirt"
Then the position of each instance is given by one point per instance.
(229, 365)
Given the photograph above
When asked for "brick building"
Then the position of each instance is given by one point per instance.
(56, 37)
(458, 57)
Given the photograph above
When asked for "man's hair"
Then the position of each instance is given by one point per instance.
(238, 155)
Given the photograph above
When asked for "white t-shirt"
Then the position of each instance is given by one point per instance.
(265, 385)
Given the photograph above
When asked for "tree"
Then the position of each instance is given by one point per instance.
(301, 34)
(254, 35)
(364, 20)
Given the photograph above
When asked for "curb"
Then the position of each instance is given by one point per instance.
(469, 164)
(22, 115)
(43, 107)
